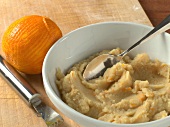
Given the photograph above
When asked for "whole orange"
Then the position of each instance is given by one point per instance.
(27, 40)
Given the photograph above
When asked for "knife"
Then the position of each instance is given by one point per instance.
(28, 94)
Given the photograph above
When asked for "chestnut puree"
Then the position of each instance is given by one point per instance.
(132, 91)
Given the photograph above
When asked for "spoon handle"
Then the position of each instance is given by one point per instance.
(162, 27)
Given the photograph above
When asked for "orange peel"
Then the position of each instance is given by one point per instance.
(27, 40)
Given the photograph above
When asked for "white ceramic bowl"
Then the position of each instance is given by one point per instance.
(85, 41)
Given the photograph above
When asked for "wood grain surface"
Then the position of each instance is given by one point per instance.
(69, 15)
(156, 10)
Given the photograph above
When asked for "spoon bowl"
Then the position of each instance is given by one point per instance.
(99, 65)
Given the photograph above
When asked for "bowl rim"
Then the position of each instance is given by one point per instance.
(50, 92)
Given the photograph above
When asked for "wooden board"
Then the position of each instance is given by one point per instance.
(159, 10)
(69, 15)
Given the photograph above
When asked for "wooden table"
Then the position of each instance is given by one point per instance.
(159, 10)
(69, 15)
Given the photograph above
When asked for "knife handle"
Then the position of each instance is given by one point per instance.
(22, 87)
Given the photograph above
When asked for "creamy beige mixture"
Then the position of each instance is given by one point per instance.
(132, 91)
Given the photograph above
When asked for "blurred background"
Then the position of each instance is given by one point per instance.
(156, 10)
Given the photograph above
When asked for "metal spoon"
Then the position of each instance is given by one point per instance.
(98, 65)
